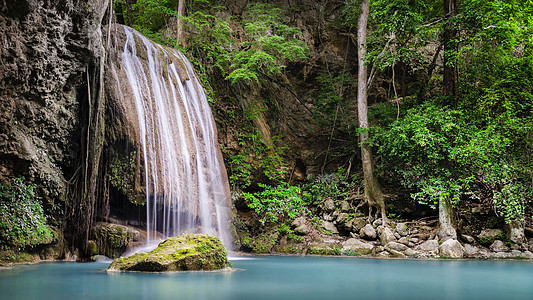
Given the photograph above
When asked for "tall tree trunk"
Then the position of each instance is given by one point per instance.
(447, 222)
(448, 81)
(179, 25)
(373, 194)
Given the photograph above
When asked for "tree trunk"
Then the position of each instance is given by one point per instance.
(446, 220)
(179, 25)
(373, 194)
(448, 81)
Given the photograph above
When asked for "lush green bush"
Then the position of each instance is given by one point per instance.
(276, 203)
(442, 154)
(22, 221)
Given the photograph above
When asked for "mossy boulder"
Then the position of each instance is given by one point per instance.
(187, 252)
(111, 240)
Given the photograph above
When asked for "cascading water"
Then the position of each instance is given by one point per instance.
(185, 179)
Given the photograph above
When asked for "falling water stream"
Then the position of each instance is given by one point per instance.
(185, 179)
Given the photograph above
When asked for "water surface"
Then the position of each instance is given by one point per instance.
(279, 278)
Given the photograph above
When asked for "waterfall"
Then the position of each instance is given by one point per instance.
(186, 185)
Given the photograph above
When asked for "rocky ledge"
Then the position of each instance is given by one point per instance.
(187, 252)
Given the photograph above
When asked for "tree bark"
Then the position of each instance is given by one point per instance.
(447, 220)
(448, 81)
(372, 194)
(181, 12)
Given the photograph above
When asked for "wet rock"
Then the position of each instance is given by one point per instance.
(487, 236)
(451, 248)
(498, 246)
(385, 235)
(328, 226)
(402, 229)
(368, 232)
(187, 252)
(395, 253)
(396, 247)
(356, 247)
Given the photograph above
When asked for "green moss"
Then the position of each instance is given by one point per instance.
(290, 248)
(265, 241)
(181, 253)
(324, 251)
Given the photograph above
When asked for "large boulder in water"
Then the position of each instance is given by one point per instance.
(187, 252)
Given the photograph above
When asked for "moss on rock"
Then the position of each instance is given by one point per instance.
(111, 240)
(187, 252)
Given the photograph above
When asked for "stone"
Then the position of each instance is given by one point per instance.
(356, 247)
(467, 238)
(301, 226)
(187, 252)
(357, 224)
(395, 253)
(323, 248)
(385, 235)
(377, 222)
(498, 246)
(471, 251)
(327, 217)
(341, 218)
(514, 231)
(265, 241)
(451, 249)
(397, 235)
(402, 229)
(345, 206)
(411, 252)
(329, 205)
(112, 240)
(404, 240)
(368, 233)
(328, 226)
(429, 246)
(487, 236)
(396, 247)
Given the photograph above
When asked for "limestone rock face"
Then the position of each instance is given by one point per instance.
(112, 240)
(187, 252)
(451, 248)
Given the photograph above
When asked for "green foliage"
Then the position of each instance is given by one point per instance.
(331, 186)
(22, 220)
(267, 46)
(274, 204)
(256, 154)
